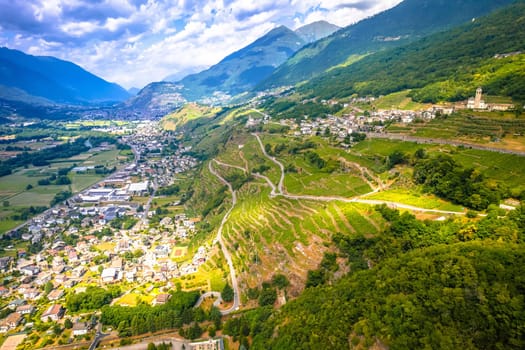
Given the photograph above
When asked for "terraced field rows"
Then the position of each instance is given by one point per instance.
(269, 235)
(470, 126)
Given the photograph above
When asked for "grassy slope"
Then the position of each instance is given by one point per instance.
(187, 113)
(444, 66)
(408, 21)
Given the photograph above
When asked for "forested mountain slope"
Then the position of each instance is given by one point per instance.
(407, 22)
(444, 66)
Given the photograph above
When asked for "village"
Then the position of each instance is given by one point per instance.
(361, 121)
(103, 236)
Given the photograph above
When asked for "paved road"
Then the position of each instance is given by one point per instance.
(225, 252)
(98, 337)
(417, 139)
(273, 159)
(343, 199)
(231, 166)
(148, 204)
(204, 296)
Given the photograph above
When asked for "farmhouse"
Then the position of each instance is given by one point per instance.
(10, 322)
(54, 313)
(80, 328)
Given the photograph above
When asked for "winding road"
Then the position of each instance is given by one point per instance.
(278, 190)
(225, 252)
(279, 164)
(358, 199)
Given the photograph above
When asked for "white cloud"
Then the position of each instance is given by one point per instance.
(134, 42)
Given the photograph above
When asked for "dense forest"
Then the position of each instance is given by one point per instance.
(442, 176)
(444, 66)
(419, 284)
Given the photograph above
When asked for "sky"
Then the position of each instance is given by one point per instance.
(135, 42)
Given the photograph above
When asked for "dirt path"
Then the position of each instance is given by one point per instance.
(357, 199)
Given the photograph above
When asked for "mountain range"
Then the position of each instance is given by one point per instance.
(284, 57)
(48, 80)
(325, 59)
(407, 22)
(446, 66)
(242, 70)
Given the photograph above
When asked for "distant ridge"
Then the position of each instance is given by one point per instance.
(242, 70)
(316, 31)
(52, 79)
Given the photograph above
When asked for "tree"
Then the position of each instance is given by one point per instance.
(216, 317)
(267, 297)
(5, 203)
(280, 281)
(48, 287)
(227, 293)
(395, 158)
(315, 278)
(28, 187)
(194, 331)
(68, 324)
(421, 153)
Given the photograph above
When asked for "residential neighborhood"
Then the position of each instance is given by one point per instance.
(103, 236)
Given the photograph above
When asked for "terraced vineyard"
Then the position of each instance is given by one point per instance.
(274, 235)
(506, 168)
(271, 231)
(269, 234)
(463, 125)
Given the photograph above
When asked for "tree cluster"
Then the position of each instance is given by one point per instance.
(419, 284)
(92, 299)
(442, 176)
(144, 318)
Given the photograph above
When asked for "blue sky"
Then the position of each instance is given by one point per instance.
(134, 42)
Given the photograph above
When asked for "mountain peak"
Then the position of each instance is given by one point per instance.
(54, 79)
(316, 31)
(243, 69)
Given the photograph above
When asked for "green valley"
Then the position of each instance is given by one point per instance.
(326, 187)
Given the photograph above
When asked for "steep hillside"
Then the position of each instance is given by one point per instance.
(407, 22)
(464, 296)
(156, 99)
(316, 31)
(187, 113)
(53, 79)
(444, 66)
(242, 70)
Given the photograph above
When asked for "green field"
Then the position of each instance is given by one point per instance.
(279, 234)
(344, 181)
(479, 127)
(414, 198)
(507, 168)
(398, 100)
(13, 188)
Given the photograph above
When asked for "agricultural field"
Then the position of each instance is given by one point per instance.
(345, 179)
(398, 100)
(189, 112)
(508, 168)
(270, 235)
(499, 129)
(415, 198)
(21, 190)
